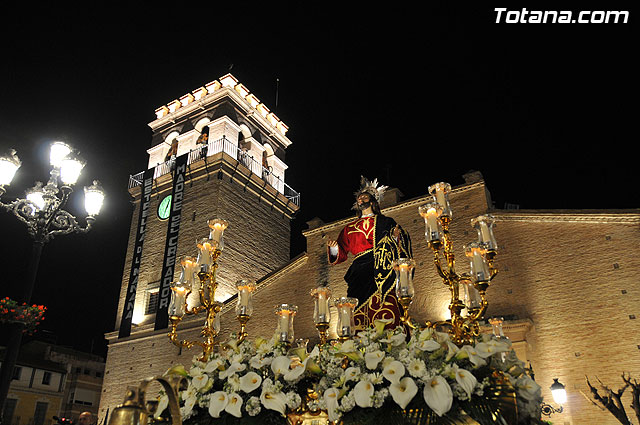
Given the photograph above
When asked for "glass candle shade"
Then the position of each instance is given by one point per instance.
(205, 255)
(496, 324)
(478, 267)
(178, 303)
(484, 225)
(321, 296)
(346, 323)
(9, 164)
(470, 295)
(430, 212)
(189, 267)
(217, 305)
(404, 277)
(284, 329)
(244, 305)
(217, 227)
(440, 192)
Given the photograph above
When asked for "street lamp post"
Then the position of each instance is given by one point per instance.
(42, 211)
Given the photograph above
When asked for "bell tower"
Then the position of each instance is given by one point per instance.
(216, 152)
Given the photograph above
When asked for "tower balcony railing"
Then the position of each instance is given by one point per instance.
(242, 156)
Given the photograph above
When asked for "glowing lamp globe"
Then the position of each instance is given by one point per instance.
(9, 164)
(70, 168)
(558, 392)
(58, 152)
(93, 198)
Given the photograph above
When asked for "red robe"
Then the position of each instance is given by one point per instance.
(358, 238)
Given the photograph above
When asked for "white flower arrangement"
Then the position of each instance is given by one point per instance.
(423, 370)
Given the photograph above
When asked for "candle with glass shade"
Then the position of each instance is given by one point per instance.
(346, 322)
(404, 286)
(284, 328)
(244, 305)
(321, 311)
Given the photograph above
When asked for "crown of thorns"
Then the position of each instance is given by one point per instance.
(370, 187)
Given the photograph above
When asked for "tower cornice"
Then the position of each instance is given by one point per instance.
(204, 97)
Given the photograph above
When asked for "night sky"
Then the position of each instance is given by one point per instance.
(411, 97)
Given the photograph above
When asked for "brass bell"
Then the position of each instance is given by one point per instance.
(135, 410)
(131, 412)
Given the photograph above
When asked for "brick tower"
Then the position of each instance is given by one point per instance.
(217, 152)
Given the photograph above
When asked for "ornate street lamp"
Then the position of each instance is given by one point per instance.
(559, 394)
(42, 212)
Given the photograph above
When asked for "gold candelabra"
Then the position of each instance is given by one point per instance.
(182, 304)
(463, 326)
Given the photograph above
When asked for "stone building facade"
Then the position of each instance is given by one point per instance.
(566, 285)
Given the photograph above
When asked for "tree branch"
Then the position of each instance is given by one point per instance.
(635, 394)
(610, 401)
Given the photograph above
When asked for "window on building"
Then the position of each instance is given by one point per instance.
(98, 374)
(17, 371)
(152, 301)
(46, 378)
(85, 397)
(9, 409)
(87, 371)
(40, 413)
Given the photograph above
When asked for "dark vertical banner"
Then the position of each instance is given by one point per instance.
(130, 297)
(171, 244)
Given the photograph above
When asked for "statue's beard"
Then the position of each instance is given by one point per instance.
(363, 206)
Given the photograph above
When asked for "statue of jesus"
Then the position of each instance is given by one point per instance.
(376, 241)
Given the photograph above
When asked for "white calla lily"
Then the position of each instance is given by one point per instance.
(258, 362)
(200, 381)
(234, 404)
(465, 379)
(429, 345)
(348, 346)
(393, 371)
(274, 401)
(373, 358)
(403, 391)
(217, 403)
(452, 350)
(351, 373)
(233, 368)
(189, 402)
(395, 339)
(363, 392)
(296, 371)
(213, 365)
(438, 395)
(280, 365)
(250, 382)
(331, 396)
(472, 354)
(491, 347)
(163, 403)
